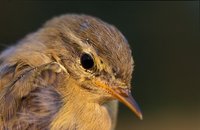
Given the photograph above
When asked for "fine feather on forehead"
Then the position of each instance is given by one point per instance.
(109, 44)
(90, 33)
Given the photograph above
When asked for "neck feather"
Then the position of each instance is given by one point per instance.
(79, 112)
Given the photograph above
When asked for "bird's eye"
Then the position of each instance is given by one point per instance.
(87, 61)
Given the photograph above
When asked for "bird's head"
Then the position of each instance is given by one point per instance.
(97, 57)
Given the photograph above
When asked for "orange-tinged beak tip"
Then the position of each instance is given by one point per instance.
(132, 104)
(125, 97)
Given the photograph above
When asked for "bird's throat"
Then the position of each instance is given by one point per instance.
(80, 113)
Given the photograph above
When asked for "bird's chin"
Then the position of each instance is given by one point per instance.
(101, 92)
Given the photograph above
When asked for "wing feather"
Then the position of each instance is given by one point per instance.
(29, 100)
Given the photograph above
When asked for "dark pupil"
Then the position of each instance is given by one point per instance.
(87, 61)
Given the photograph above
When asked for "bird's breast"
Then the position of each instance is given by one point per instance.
(86, 117)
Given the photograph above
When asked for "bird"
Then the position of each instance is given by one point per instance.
(67, 75)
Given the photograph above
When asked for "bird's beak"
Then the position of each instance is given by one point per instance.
(123, 95)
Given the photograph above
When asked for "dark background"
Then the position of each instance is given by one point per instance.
(165, 40)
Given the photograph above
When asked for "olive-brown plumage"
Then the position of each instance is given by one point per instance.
(66, 76)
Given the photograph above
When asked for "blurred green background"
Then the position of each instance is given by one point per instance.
(165, 40)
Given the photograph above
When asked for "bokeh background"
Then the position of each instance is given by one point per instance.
(165, 40)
